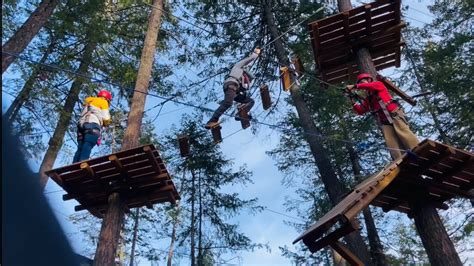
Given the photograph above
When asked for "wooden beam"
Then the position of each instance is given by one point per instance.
(346, 254)
(87, 170)
(389, 84)
(118, 165)
(332, 237)
(151, 158)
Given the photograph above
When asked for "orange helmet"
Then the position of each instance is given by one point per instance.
(106, 94)
(363, 76)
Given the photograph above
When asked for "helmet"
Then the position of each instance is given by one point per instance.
(106, 94)
(363, 76)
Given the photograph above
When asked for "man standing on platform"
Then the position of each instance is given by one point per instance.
(388, 113)
(94, 116)
(236, 89)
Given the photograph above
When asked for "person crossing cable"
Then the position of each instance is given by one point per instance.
(236, 88)
(94, 116)
(388, 113)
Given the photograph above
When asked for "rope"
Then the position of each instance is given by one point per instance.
(283, 129)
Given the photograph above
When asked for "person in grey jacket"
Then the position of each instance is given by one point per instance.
(235, 88)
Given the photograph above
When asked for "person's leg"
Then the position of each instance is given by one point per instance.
(408, 139)
(90, 140)
(80, 143)
(392, 141)
(230, 91)
(247, 103)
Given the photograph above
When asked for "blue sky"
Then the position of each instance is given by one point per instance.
(244, 148)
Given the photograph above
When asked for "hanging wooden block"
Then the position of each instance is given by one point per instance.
(183, 141)
(296, 61)
(285, 78)
(244, 118)
(265, 95)
(216, 134)
(389, 84)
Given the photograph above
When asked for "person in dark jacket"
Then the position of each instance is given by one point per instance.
(235, 89)
(387, 112)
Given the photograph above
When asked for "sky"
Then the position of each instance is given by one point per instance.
(245, 148)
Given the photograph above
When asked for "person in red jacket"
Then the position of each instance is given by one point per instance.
(388, 113)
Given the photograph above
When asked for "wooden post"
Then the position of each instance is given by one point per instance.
(109, 232)
(427, 220)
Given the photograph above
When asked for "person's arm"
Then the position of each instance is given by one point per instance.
(106, 118)
(246, 60)
(360, 109)
(371, 86)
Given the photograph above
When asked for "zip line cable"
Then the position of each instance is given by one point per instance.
(283, 129)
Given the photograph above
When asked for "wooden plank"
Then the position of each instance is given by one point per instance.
(265, 95)
(244, 118)
(118, 165)
(392, 87)
(183, 141)
(346, 254)
(152, 160)
(216, 134)
(87, 170)
(345, 229)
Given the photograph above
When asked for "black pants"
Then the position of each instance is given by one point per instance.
(231, 91)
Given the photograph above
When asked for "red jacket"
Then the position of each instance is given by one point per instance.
(374, 89)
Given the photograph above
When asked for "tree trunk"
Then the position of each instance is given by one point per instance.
(435, 239)
(65, 115)
(132, 134)
(193, 215)
(173, 237)
(25, 92)
(199, 260)
(330, 180)
(131, 137)
(376, 248)
(109, 232)
(135, 234)
(23, 36)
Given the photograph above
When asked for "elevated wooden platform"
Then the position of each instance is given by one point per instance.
(433, 174)
(336, 39)
(139, 175)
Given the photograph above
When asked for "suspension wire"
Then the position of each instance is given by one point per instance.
(206, 109)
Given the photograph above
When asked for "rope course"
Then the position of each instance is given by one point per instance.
(283, 129)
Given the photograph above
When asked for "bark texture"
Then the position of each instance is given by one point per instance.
(23, 36)
(330, 180)
(135, 234)
(25, 92)
(132, 134)
(438, 245)
(110, 232)
(65, 115)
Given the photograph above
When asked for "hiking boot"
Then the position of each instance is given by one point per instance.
(212, 123)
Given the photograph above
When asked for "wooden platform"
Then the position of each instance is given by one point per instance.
(139, 175)
(336, 39)
(432, 175)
